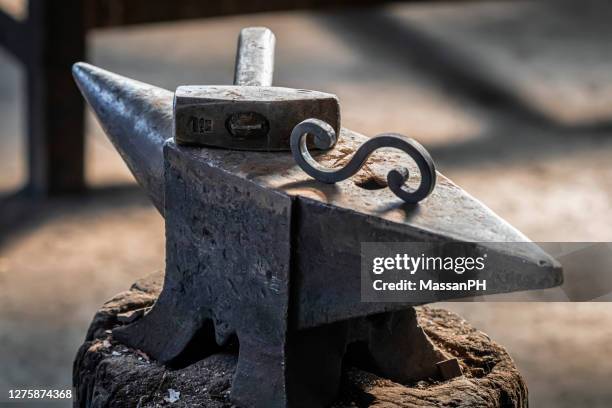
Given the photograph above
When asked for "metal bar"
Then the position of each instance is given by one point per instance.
(255, 57)
(55, 120)
(12, 35)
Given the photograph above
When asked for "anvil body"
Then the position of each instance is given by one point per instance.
(259, 252)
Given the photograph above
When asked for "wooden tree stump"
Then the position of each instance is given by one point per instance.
(109, 374)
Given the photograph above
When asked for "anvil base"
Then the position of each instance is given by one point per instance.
(107, 374)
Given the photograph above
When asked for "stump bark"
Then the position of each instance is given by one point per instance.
(109, 374)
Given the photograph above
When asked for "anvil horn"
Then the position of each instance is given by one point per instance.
(136, 117)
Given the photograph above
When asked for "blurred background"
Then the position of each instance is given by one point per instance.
(513, 99)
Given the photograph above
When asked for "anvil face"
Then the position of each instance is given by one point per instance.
(247, 117)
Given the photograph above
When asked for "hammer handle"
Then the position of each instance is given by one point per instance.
(255, 57)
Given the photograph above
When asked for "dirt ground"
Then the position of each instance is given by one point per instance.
(513, 99)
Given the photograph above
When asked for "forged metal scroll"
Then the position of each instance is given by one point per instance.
(324, 138)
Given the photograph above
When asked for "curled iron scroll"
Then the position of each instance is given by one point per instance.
(324, 137)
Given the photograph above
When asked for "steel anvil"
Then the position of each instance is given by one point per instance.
(260, 254)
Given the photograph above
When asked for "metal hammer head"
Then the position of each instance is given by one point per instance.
(247, 117)
(251, 114)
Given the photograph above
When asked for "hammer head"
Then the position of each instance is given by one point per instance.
(247, 117)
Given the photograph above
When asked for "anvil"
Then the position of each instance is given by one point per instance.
(258, 252)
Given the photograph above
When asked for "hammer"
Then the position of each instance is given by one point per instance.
(251, 114)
